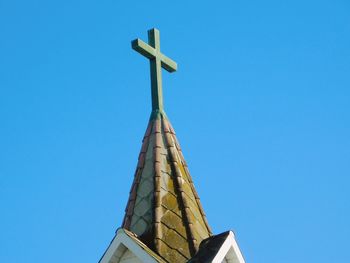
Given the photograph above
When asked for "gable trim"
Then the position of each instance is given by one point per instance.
(123, 238)
(230, 243)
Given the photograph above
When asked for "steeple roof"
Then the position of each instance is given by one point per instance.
(164, 210)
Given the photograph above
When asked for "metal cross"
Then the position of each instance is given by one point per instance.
(157, 61)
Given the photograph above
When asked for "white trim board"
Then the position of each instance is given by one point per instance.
(117, 248)
(229, 251)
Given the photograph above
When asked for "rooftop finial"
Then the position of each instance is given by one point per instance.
(157, 61)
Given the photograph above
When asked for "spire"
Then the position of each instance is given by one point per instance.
(163, 209)
(157, 62)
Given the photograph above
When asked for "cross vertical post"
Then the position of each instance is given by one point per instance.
(157, 62)
(156, 72)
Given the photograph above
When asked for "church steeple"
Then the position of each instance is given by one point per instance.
(164, 221)
(164, 209)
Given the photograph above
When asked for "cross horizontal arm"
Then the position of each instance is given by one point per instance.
(143, 48)
(149, 52)
(168, 64)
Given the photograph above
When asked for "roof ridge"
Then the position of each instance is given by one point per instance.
(182, 159)
(133, 191)
(189, 223)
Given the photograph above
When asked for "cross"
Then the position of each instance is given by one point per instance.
(157, 62)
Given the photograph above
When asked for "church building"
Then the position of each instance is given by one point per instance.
(164, 220)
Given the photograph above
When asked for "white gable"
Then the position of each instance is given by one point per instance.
(229, 252)
(129, 257)
(123, 249)
(124, 255)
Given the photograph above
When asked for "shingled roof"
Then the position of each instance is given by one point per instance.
(164, 210)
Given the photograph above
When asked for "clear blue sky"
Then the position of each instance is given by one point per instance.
(260, 103)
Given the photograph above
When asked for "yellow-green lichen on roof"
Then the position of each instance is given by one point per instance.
(164, 210)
